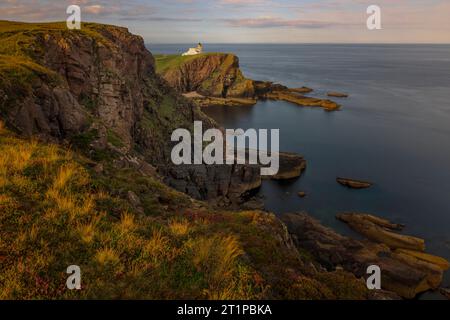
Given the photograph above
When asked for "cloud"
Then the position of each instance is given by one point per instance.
(94, 9)
(243, 2)
(273, 22)
(50, 10)
(252, 20)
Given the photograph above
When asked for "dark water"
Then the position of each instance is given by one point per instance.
(393, 130)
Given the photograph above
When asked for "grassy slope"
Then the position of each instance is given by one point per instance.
(54, 214)
(165, 62)
(18, 49)
(56, 211)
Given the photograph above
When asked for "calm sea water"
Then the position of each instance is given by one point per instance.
(394, 130)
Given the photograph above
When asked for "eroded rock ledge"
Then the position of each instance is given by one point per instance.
(406, 269)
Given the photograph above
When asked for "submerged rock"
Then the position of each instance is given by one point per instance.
(302, 100)
(402, 272)
(354, 184)
(337, 94)
(302, 90)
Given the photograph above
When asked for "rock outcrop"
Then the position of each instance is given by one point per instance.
(234, 182)
(214, 75)
(217, 78)
(231, 183)
(380, 230)
(405, 272)
(354, 184)
(292, 166)
(97, 89)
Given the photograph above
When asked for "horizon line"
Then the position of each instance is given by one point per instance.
(293, 43)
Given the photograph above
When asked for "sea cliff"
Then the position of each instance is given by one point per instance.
(86, 179)
(217, 79)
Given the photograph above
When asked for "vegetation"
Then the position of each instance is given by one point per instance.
(56, 212)
(52, 216)
(164, 62)
(132, 236)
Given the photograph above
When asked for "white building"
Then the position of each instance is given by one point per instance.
(194, 51)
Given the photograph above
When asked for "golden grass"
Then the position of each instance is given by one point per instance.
(179, 227)
(65, 173)
(87, 231)
(107, 255)
(127, 223)
(217, 257)
(52, 216)
(157, 245)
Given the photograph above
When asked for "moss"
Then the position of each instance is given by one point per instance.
(167, 107)
(17, 75)
(114, 139)
(89, 102)
(83, 141)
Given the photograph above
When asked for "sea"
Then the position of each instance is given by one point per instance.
(392, 130)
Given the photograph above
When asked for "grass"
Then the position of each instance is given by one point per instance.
(18, 73)
(165, 62)
(55, 213)
(22, 50)
(19, 38)
(213, 85)
(53, 216)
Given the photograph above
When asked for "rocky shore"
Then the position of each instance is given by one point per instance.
(406, 270)
(217, 80)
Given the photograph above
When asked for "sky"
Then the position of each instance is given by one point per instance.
(252, 21)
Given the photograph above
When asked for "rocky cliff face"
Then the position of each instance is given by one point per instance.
(97, 89)
(213, 75)
(103, 79)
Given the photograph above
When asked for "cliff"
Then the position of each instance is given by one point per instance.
(210, 74)
(63, 85)
(218, 80)
(84, 155)
(97, 90)
(88, 191)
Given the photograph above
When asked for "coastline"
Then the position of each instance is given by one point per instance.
(119, 124)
